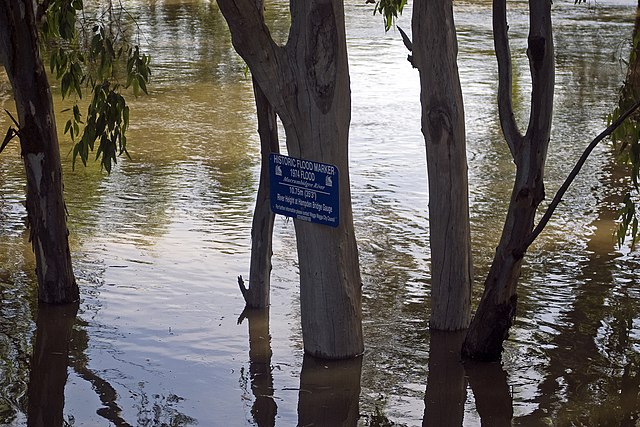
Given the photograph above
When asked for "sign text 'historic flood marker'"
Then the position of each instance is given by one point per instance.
(304, 189)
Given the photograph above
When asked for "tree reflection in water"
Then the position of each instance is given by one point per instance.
(264, 408)
(446, 383)
(491, 392)
(49, 363)
(329, 392)
(447, 386)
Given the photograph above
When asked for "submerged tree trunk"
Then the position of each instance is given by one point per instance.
(257, 295)
(40, 152)
(435, 50)
(307, 83)
(490, 325)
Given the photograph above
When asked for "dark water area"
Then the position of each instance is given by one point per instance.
(157, 246)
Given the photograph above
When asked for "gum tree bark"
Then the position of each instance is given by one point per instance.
(307, 83)
(435, 51)
(40, 152)
(490, 325)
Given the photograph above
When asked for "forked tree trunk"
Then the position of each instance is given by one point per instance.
(307, 83)
(435, 51)
(257, 295)
(40, 152)
(490, 325)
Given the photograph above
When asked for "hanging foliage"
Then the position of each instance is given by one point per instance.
(94, 55)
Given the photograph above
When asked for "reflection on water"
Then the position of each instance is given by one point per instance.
(48, 368)
(158, 245)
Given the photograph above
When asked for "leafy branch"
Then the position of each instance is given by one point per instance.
(389, 9)
(95, 57)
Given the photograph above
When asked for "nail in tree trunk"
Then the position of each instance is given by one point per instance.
(490, 325)
(435, 50)
(307, 83)
(40, 152)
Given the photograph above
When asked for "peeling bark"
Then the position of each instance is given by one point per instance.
(39, 143)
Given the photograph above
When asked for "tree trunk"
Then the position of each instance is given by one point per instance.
(490, 325)
(40, 152)
(307, 83)
(257, 295)
(435, 50)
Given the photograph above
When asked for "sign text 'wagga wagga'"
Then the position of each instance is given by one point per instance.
(304, 189)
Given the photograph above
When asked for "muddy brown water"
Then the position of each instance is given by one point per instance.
(157, 246)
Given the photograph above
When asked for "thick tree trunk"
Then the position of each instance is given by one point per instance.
(307, 82)
(257, 295)
(490, 325)
(435, 50)
(40, 151)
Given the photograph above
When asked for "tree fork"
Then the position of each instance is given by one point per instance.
(307, 83)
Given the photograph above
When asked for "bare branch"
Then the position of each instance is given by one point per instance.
(503, 55)
(576, 169)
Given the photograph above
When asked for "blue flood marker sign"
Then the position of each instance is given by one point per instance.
(304, 189)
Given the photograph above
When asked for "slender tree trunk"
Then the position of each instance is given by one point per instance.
(40, 152)
(257, 295)
(307, 83)
(490, 325)
(435, 50)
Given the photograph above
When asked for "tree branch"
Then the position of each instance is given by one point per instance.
(576, 169)
(503, 55)
(253, 42)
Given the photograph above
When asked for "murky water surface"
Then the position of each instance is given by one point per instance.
(157, 246)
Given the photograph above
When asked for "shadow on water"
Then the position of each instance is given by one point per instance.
(49, 363)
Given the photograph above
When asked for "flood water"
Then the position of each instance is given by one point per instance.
(158, 244)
